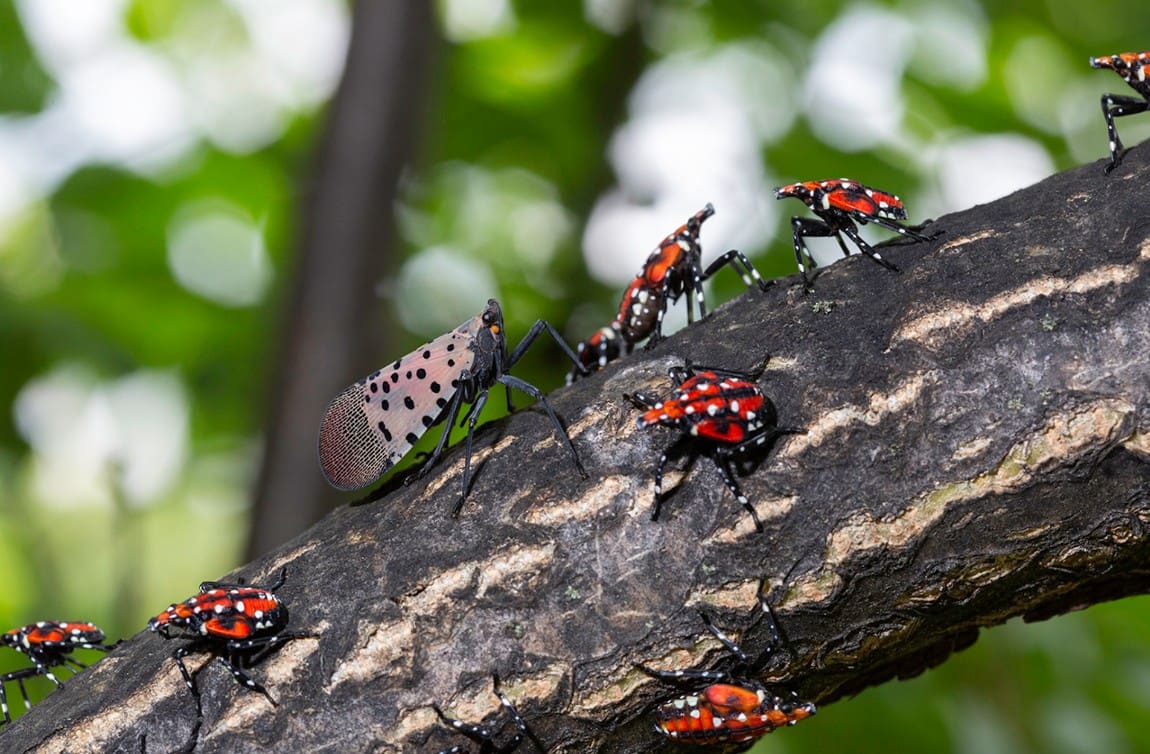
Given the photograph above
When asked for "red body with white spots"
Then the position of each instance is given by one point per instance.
(47, 644)
(845, 195)
(1134, 68)
(723, 414)
(839, 203)
(672, 269)
(225, 612)
(724, 409)
(238, 623)
(53, 636)
(727, 706)
(727, 713)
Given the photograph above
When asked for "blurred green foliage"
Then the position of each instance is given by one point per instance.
(513, 161)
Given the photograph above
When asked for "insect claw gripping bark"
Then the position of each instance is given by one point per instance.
(1134, 68)
(839, 204)
(723, 414)
(47, 644)
(727, 706)
(372, 424)
(674, 268)
(484, 736)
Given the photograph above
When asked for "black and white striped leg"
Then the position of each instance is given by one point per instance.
(724, 467)
(483, 736)
(656, 335)
(803, 227)
(689, 677)
(179, 656)
(900, 229)
(738, 260)
(679, 375)
(727, 641)
(1115, 106)
(243, 678)
(18, 676)
(866, 248)
(685, 442)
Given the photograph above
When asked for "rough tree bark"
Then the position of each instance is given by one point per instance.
(977, 449)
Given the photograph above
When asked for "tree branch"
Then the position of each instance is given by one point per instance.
(977, 449)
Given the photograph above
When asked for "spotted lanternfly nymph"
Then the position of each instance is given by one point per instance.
(726, 706)
(722, 413)
(840, 204)
(239, 624)
(372, 424)
(673, 268)
(47, 644)
(484, 736)
(1134, 68)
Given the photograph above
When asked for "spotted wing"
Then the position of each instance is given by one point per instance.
(370, 426)
(867, 202)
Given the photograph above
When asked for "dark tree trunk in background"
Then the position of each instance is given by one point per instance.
(334, 325)
(978, 448)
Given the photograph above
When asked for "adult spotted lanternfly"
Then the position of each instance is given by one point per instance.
(483, 735)
(839, 204)
(724, 708)
(47, 644)
(724, 415)
(242, 623)
(673, 268)
(372, 424)
(1134, 68)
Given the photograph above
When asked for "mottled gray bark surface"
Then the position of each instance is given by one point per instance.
(977, 449)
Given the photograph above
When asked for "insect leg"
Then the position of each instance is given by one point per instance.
(244, 679)
(179, 656)
(537, 328)
(476, 408)
(742, 265)
(802, 227)
(724, 468)
(535, 393)
(675, 450)
(866, 248)
(685, 676)
(1116, 106)
(452, 411)
(902, 229)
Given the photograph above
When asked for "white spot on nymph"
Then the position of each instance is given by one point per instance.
(742, 717)
(695, 713)
(717, 722)
(636, 309)
(689, 410)
(734, 407)
(679, 703)
(643, 295)
(869, 193)
(259, 614)
(826, 201)
(220, 609)
(712, 409)
(240, 606)
(750, 416)
(694, 429)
